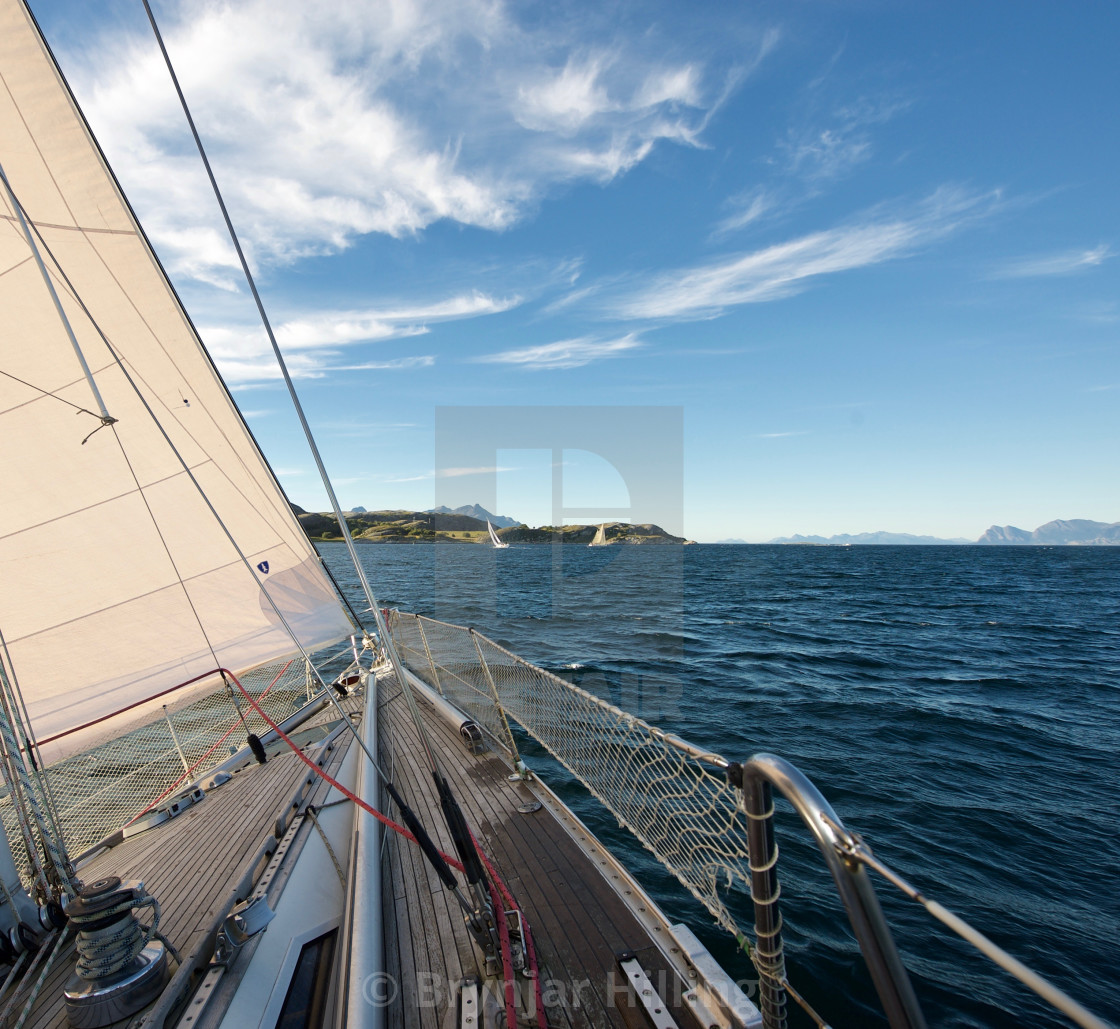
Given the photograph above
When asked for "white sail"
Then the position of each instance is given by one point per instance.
(494, 536)
(118, 583)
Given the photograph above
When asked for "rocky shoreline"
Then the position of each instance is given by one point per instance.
(437, 527)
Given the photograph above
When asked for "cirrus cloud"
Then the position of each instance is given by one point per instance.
(380, 118)
(567, 353)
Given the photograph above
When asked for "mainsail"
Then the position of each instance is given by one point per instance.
(119, 584)
(494, 536)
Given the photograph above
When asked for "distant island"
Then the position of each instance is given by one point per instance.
(467, 524)
(1075, 532)
(442, 525)
(873, 539)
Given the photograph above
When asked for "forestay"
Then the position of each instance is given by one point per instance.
(119, 584)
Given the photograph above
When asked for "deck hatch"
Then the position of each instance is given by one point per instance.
(306, 1000)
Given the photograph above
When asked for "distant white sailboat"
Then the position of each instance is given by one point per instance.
(498, 544)
(600, 539)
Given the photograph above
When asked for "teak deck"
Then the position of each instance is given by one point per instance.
(190, 863)
(579, 922)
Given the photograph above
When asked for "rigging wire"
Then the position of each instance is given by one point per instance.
(338, 589)
(30, 743)
(47, 392)
(32, 809)
(106, 418)
(450, 807)
(64, 278)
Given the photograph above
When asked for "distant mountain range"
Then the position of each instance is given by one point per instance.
(479, 512)
(443, 525)
(865, 538)
(1060, 532)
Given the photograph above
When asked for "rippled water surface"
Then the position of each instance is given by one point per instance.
(959, 707)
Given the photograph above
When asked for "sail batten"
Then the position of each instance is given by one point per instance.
(118, 582)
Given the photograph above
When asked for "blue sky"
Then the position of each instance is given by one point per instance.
(869, 249)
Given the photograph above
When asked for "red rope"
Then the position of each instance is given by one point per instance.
(530, 950)
(507, 956)
(383, 819)
(225, 736)
(503, 929)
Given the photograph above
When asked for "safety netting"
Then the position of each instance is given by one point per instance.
(672, 796)
(449, 659)
(100, 790)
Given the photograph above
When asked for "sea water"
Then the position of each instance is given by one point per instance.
(958, 706)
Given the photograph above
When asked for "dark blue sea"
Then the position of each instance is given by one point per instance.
(959, 707)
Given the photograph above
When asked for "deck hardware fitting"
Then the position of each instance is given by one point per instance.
(469, 1004)
(165, 812)
(647, 995)
(246, 920)
(108, 984)
(472, 737)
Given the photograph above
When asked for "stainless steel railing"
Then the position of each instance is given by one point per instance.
(444, 662)
(757, 780)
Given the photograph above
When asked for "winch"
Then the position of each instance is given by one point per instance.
(121, 966)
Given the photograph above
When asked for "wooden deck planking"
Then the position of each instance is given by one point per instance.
(579, 923)
(430, 915)
(182, 866)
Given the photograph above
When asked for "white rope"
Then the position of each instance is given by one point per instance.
(30, 1002)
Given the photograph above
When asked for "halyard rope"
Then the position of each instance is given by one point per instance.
(109, 948)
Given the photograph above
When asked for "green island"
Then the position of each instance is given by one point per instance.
(434, 527)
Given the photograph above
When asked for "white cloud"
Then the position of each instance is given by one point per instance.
(1066, 262)
(829, 146)
(396, 364)
(310, 341)
(747, 208)
(785, 269)
(603, 114)
(459, 473)
(568, 353)
(330, 328)
(239, 368)
(327, 121)
(566, 100)
(410, 478)
(781, 435)
(827, 153)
